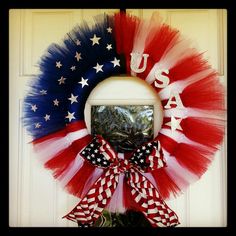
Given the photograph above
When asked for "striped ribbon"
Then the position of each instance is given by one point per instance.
(143, 192)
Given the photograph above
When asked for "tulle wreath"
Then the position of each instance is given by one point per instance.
(54, 105)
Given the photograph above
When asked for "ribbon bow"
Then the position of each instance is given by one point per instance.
(143, 192)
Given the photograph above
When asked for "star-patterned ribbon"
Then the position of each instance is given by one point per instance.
(143, 192)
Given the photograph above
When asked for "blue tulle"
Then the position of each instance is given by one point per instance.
(45, 88)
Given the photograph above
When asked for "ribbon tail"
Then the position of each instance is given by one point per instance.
(151, 203)
(88, 210)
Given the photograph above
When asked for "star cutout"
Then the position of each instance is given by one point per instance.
(83, 82)
(70, 116)
(46, 117)
(115, 62)
(73, 98)
(73, 68)
(61, 80)
(34, 107)
(78, 42)
(109, 47)
(174, 124)
(58, 64)
(98, 68)
(55, 102)
(43, 92)
(78, 56)
(109, 30)
(95, 39)
(37, 125)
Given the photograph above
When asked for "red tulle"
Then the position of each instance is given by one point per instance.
(166, 185)
(59, 163)
(76, 185)
(188, 66)
(125, 28)
(207, 94)
(194, 158)
(167, 143)
(205, 131)
(162, 40)
(75, 126)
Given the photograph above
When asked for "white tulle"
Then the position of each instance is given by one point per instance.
(49, 148)
(179, 137)
(175, 53)
(116, 204)
(144, 33)
(180, 85)
(180, 175)
(172, 55)
(71, 170)
(176, 112)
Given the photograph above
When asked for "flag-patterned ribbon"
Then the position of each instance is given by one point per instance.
(148, 157)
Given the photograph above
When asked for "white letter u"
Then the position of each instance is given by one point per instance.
(136, 59)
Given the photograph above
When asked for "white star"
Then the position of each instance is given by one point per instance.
(98, 68)
(46, 117)
(143, 147)
(37, 125)
(78, 56)
(83, 82)
(58, 64)
(149, 144)
(34, 107)
(99, 159)
(141, 160)
(70, 116)
(61, 80)
(109, 47)
(115, 62)
(109, 29)
(43, 92)
(73, 98)
(55, 102)
(78, 42)
(95, 39)
(147, 151)
(174, 124)
(95, 150)
(73, 68)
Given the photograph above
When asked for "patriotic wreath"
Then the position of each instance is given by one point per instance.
(87, 166)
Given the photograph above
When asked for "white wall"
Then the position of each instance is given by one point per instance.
(35, 198)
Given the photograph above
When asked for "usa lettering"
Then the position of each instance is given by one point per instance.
(161, 80)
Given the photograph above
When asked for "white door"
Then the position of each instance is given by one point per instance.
(35, 197)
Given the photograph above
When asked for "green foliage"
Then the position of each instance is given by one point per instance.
(129, 219)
